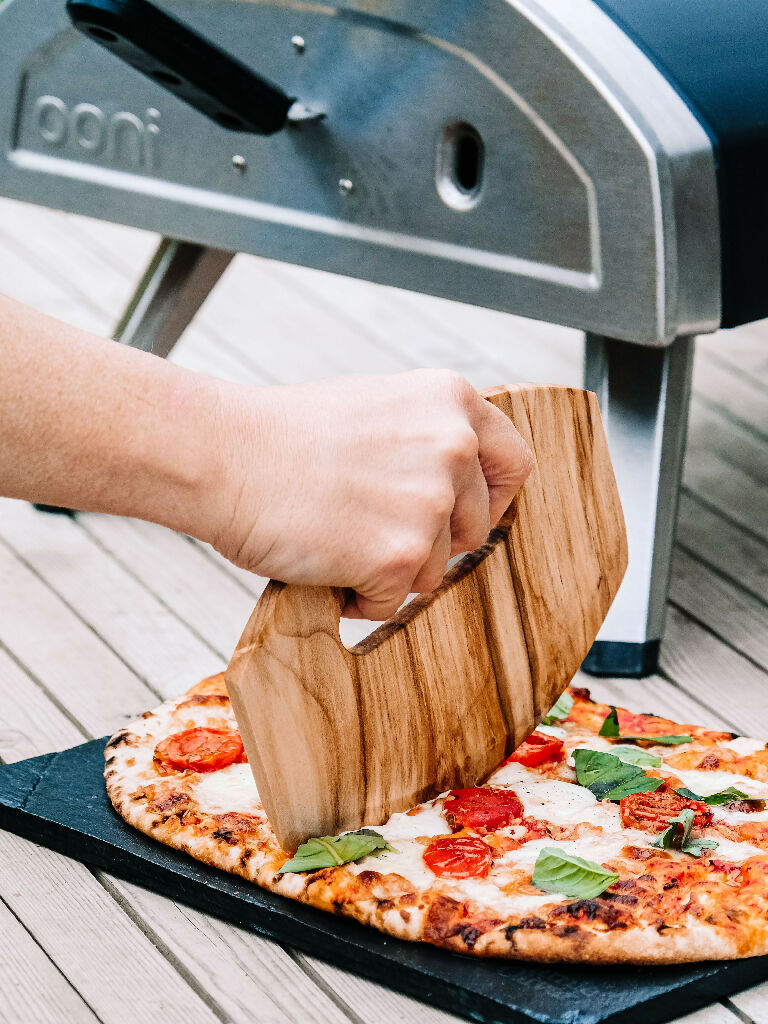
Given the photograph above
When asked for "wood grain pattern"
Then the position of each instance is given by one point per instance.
(438, 695)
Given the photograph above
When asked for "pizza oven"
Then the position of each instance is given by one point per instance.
(594, 163)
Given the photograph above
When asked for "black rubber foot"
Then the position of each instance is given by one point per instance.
(612, 658)
(56, 510)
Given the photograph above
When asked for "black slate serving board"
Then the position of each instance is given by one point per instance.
(59, 800)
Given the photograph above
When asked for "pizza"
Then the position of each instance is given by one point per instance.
(606, 836)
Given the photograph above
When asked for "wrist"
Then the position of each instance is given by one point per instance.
(227, 467)
(186, 462)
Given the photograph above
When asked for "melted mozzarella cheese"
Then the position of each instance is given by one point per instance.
(406, 860)
(486, 891)
(562, 803)
(400, 831)
(597, 848)
(738, 817)
(201, 716)
(735, 852)
(706, 783)
(744, 745)
(428, 822)
(552, 730)
(228, 789)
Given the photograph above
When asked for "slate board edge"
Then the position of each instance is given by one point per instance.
(714, 981)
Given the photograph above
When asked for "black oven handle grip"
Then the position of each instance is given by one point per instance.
(191, 67)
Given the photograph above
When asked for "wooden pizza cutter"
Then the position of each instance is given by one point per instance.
(435, 698)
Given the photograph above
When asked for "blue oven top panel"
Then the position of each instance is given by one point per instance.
(715, 53)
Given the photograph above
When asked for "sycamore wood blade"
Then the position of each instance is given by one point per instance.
(435, 698)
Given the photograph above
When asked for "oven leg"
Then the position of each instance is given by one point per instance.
(643, 394)
(174, 286)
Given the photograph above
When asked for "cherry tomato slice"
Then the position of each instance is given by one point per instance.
(538, 748)
(481, 808)
(201, 750)
(652, 812)
(458, 857)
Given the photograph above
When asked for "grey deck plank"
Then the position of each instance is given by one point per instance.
(92, 941)
(751, 1005)
(744, 349)
(719, 543)
(728, 489)
(711, 429)
(180, 574)
(32, 986)
(76, 668)
(250, 978)
(727, 611)
(80, 270)
(30, 722)
(110, 599)
(731, 388)
(714, 674)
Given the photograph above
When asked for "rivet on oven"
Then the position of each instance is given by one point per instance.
(297, 42)
(346, 187)
(240, 163)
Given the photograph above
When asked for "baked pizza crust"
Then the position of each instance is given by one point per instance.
(218, 819)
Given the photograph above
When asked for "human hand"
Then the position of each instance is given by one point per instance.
(366, 482)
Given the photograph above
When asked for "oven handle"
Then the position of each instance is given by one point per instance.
(191, 67)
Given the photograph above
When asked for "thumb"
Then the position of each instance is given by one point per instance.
(505, 457)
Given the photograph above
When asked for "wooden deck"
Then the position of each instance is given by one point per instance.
(103, 617)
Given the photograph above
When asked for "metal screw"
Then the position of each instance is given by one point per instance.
(346, 187)
(297, 42)
(240, 163)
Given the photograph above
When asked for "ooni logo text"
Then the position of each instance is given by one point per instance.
(121, 138)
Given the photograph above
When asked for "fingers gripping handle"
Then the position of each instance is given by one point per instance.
(321, 607)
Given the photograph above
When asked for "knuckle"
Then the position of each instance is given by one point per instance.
(460, 447)
(456, 382)
(438, 505)
(450, 383)
(406, 558)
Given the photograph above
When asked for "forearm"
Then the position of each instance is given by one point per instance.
(363, 482)
(89, 424)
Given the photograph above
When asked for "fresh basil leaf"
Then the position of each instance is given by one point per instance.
(610, 726)
(558, 872)
(725, 796)
(637, 756)
(677, 836)
(663, 740)
(330, 851)
(561, 709)
(608, 777)
(695, 847)
(639, 784)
